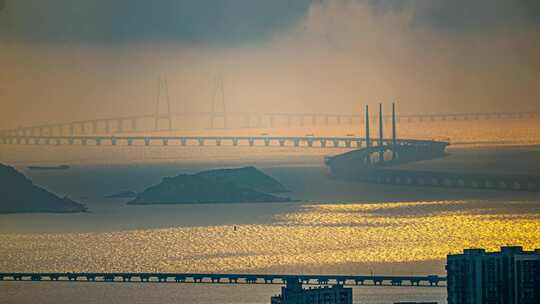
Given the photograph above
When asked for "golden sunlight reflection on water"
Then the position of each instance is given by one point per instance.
(316, 235)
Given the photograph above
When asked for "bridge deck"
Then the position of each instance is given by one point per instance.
(267, 119)
(215, 278)
(263, 141)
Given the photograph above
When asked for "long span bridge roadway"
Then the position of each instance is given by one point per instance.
(250, 141)
(214, 278)
(174, 121)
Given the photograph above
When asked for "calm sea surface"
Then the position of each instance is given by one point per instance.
(337, 227)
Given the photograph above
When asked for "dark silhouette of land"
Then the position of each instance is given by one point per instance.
(18, 194)
(123, 194)
(246, 177)
(240, 185)
(43, 168)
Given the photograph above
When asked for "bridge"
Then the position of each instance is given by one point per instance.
(225, 120)
(249, 141)
(216, 278)
(57, 136)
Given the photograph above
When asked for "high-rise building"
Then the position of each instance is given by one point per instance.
(293, 293)
(511, 276)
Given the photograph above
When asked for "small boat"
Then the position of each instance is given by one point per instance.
(61, 167)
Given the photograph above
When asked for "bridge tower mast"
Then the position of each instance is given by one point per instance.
(368, 139)
(381, 134)
(394, 134)
(163, 95)
(218, 101)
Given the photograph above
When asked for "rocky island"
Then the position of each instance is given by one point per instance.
(19, 195)
(240, 185)
(246, 177)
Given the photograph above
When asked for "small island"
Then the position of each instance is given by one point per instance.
(239, 185)
(123, 194)
(245, 177)
(19, 195)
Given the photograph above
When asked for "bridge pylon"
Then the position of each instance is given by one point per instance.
(163, 97)
(219, 109)
(368, 137)
(394, 132)
(381, 134)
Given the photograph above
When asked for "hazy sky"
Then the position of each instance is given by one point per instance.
(74, 59)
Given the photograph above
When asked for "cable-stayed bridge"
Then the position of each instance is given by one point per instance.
(235, 120)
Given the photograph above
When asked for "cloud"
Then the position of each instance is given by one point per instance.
(324, 56)
(232, 21)
(175, 21)
(465, 15)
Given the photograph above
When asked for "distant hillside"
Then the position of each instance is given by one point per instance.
(215, 186)
(246, 177)
(18, 195)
